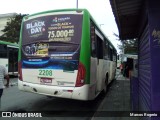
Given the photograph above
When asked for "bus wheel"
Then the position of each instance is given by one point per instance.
(106, 84)
(115, 75)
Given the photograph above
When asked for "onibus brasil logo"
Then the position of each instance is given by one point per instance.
(35, 27)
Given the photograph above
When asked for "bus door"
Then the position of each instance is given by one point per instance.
(3, 56)
(99, 40)
(97, 62)
(94, 61)
(13, 60)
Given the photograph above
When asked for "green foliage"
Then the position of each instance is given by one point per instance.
(130, 46)
(12, 29)
(127, 46)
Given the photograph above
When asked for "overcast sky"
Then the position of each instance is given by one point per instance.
(100, 10)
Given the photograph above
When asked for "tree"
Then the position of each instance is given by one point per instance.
(12, 29)
(127, 46)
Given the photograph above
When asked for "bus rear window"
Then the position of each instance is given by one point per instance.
(52, 41)
(53, 28)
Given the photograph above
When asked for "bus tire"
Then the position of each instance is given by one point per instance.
(115, 75)
(106, 84)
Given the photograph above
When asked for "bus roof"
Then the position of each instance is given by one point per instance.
(78, 10)
(8, 43)
(58, 10)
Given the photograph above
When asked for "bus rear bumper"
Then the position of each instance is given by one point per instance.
(78, 93)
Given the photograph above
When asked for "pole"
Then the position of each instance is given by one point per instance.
(77, 4)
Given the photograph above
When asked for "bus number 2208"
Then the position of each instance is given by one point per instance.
(45, 72)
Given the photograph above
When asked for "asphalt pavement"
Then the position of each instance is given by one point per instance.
(116, 103)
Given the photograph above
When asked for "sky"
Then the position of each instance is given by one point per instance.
(99, 9)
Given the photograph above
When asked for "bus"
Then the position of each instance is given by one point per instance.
(63, 53)
(9, 57)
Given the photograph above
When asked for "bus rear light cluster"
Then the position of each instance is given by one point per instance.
(81, 75)
(20, 71)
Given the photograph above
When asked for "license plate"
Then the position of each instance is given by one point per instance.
(45, 80)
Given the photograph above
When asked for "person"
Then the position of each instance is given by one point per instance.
(126, 70)
(3, 74)
(121, 67)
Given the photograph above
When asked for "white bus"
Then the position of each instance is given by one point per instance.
(63, 53)
(9, 57)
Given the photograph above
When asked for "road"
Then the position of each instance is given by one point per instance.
(15, 100)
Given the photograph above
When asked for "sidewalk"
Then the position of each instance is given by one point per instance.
(116, 104)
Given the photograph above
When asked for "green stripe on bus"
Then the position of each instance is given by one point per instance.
(8, 43)
(85, 45)
(20, 41)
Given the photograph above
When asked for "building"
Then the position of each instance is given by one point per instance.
(140, 19)
(4, 18)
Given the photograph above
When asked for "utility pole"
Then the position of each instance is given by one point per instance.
(77, 4)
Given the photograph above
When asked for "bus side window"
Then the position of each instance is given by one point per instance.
(114, 56)
(93, 48)
(3, 51)
(110, 53)
(93, 41)
(106, 52)
(99, 47)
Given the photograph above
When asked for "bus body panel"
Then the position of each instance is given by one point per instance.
(78, 93)
(112, 70)
(100, 75)
(101, 69)
(59, 77)
(45, 89)
(93, 72)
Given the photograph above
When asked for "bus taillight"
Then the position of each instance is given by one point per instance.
(20, 71)
(81, 75)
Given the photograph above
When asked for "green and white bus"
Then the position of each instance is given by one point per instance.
(9, 57)
(63, 53)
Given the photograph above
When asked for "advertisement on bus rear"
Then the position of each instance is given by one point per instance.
(52, 41)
